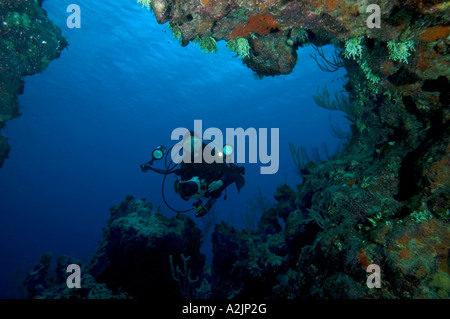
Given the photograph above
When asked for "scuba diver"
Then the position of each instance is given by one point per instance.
(198, 178)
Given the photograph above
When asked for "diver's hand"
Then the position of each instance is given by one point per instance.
(215, 186)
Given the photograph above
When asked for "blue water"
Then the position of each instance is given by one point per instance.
(94, 115)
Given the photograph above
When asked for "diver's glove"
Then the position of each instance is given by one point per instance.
(201, 211)
(215, 186)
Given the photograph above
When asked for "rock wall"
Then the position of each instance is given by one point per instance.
(28, 42)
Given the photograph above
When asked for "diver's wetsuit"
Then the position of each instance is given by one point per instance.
(227, 173)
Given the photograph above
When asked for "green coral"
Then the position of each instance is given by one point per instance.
(422, 216)
(176, 32)
(13, 18)
(365, 183)
(207, 44)
(353, 48)
(145, 3)
(18, 20)
(240, 46)
(298, 36)
(361, 126)
(373, 79)
(376, 220)
(26, 21)
(400, 51)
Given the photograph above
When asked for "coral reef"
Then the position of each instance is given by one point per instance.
(28, 42)
(384, 199)
(134, 254)
(47, 282)
(341, 219)
(318, 254)
(134, 258)
(333, 231)
(246, 264)
(326, 21)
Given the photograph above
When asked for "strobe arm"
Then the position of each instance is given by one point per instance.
(147, 166)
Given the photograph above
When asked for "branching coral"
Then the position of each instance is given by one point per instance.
(340, 103)
(422, 216)
(353, 48)
(207, 44)
(298, 36)
(299, 156)
(319, 218)
(240, 46)
(337, 132)
(302, 158)
(145, 3)
(400, 51)
(373, 79)
(328, 64)
(176, 32)
(184, 280)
